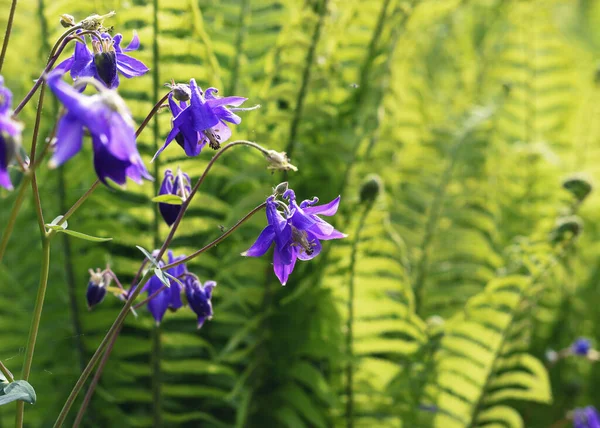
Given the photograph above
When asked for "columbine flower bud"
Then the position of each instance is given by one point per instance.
(581, 346)
(178, 185)
(199, 298)
(578, 187)
(96, 288)
(180, 92)
(278, 161)
(67, 20)
(370, 189)
(94, 22)
(280, 189)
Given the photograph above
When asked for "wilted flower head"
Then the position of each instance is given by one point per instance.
(296, 231)
(198, 297)
(581, 346)
(96, 289)
(110, 124)
(587, 417)
(202, 120)
(107, 58)
(10, 135)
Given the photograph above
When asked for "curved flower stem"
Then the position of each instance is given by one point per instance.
(13, 215)
(95, 380)
(60, 44)
(156, 107)
(11, 17)
(216, 241)
(7, 374)
(76, 205)
(115, 328)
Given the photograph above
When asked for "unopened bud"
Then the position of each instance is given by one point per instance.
(370, 189)
(578, 187)
(181, 92)
(67, 20)
(278, 161)
(96, 288)
(567, 227)
(280, 189)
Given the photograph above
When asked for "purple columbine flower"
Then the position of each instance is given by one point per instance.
(297, 232)
(203, 120)
(581, 346)
(198, 297)
(110, 124)
(105, 61)
(178, 185)
(96, 288)
(587, 417)
(170, 297)
(10, 135)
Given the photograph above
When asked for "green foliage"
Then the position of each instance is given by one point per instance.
(477, 253)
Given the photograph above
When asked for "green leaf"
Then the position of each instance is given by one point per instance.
(64, 225)
(78, 234)
(161, 275)
(148, 255)
(168, 275)
(18, 390)
(168, 199)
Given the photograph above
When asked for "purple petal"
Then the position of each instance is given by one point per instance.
(326, 209)
(65, 65)
(593, 419)
(134, 44)
(4, 175)
(130, 67)
(117, 39)
(229, 101)
(201, 320)
(122, 138)
(282, 271)
(175, 107)
(224, 113)
(83, 62)
(69, 139)
(159, 304)
(170, 138)
(108, 166)
(202, 115)
(262, 244)
(208, 288)
(222, 131)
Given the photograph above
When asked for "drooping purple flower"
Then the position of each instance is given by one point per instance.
(169, 297)
(109, 123)
(202, 120)
(96, 289)
(587, 417)
(199, 298)
(173, 185)
(10, 135)
(107, 58)
(581, 346)
(297, 232)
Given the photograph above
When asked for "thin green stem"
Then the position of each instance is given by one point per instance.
(155, 358)
(35, 323)
(350, 321)
(9, 24)
(10, 225)
(76, 205)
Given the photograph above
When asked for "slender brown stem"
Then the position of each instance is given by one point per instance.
(156, 107)
(150, 297)
(216, 241)
(9, 24)
(7, 374)
(76, 205)
(34, 186)
(94, 382)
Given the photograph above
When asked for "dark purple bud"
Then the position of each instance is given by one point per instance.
(581, 346)
(105, 61)
(198, 297)
(178, 185)
(96, 288)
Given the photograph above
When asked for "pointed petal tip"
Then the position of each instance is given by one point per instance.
(244, 254)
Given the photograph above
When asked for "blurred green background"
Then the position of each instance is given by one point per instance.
(466, 269)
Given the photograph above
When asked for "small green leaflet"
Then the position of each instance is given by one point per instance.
(64, 225)
(148, 256)
(17, 390)
(161, 275)
(61, 229)
(168, 199)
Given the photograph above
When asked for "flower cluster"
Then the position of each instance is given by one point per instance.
(197, 295)
(108, 121)
(296, 230)
(10, 135)
(199, 117)
(106, 60)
